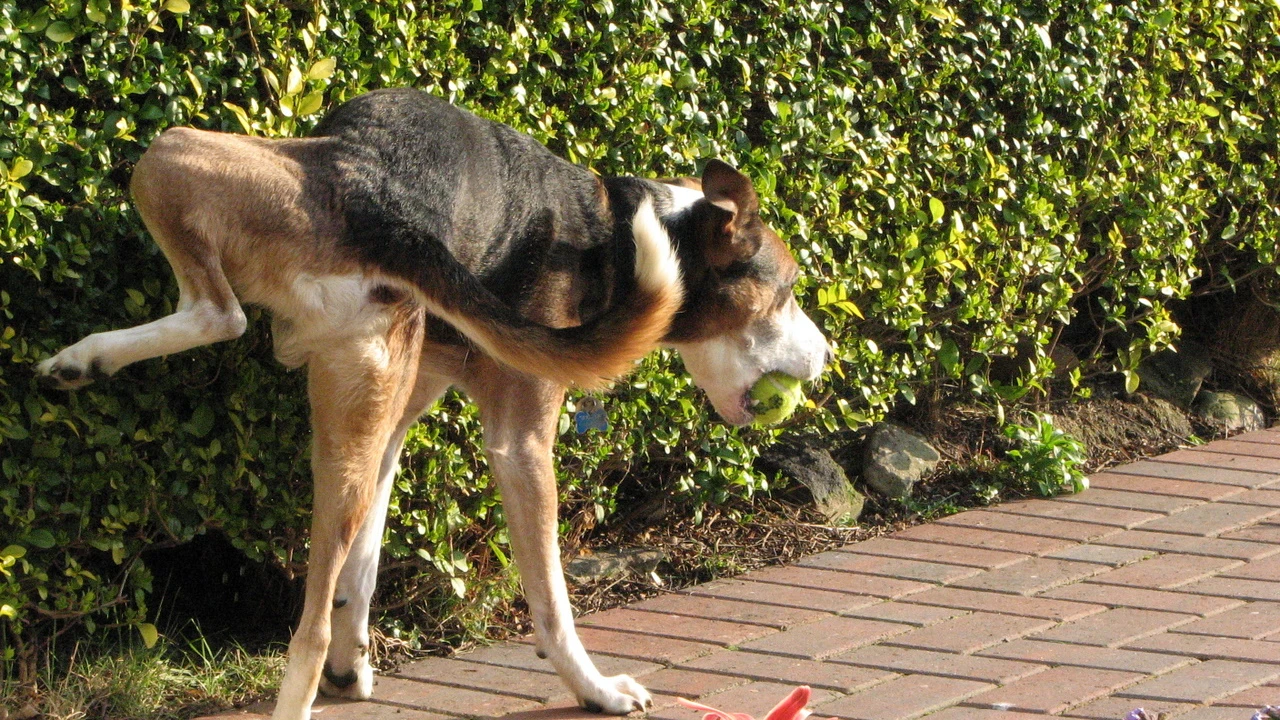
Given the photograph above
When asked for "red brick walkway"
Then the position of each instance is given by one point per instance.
(1159, 587)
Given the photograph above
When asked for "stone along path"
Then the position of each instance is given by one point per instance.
(1159, 587)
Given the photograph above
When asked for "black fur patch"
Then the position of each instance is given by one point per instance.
(385, 295)
(473, 211)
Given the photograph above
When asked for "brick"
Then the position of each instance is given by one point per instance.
(929, 572)
(679, 627)
(1189, 545)
(774, 616)
(1264, 569)
(1269, 435)
(1264, 533)
(1142, 598)
(1024, 525)
(1254, 697)
(825, 637)
(1204, 682)
(420, 695)
(1114, 708)
(1101, 497)
(1212, 519)
(1236, 588)
(539, 686)
(240, 714)
(902, 698)
(1095, 514)
(1030, 577)
(1103, 554)
(976, 537)
(785, 596)
(929, 662)
(800, 671)
(905, 612)
(754, 698)
(1253, 621)
(1114, 628)
(1212, 712)
(1161, 486)
(969, 633)
(1265, 496)
(934, 552)
(560, 710)
(329, 709)
(522, 655)
(650, 648)
(1235, 447)
(689, 683)
(1195, 473)
(1047, 608)
(962, 712)
(1206, 647)
(1166, 571)
(1234, 461)
(855, 583)
(1053, 653)
(1055, 690)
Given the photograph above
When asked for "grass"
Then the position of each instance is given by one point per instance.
(170, 681)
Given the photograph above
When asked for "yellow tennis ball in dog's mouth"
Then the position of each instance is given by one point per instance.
(774, 397)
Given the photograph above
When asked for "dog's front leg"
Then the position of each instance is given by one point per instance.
(520, 415)
(358, 388)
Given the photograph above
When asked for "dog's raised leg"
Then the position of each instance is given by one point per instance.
(207, 309)
(359, 388)
(520, 415)
(347, 669)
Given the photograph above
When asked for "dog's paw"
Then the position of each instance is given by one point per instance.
(66, 371)
(617, 695)
(355, 684)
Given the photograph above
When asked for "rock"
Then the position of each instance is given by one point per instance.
(1230, 412)
(895, 459)
(611, 565)
(1115, 430)
(1173, 376)
(833, 495)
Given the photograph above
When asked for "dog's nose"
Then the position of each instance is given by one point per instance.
(829, 357)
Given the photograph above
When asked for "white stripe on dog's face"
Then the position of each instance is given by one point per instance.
(726, 366)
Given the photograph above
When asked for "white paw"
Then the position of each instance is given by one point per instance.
(355, 684)
(68, 371)
(617, 695)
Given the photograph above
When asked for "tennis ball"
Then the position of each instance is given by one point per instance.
(776, 395)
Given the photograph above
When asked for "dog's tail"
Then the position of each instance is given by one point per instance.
(589, 355)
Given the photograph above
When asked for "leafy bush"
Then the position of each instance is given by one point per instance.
(956, 182)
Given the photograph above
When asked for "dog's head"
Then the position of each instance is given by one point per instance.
(740, 318)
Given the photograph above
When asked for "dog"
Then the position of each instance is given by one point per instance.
(408, 246)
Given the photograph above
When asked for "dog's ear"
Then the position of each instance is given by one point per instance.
(734, 227)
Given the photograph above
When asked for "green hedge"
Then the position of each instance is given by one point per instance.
(955, 179)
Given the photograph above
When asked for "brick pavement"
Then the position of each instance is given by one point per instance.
(1159, 587)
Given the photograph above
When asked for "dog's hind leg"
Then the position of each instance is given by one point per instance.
(520, 414)
(347, 669)
(207, 311)
(359, 387)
